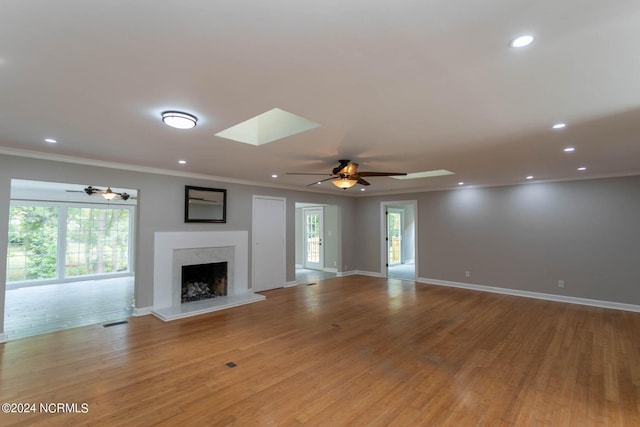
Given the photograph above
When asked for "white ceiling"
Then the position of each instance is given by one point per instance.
(398, 85)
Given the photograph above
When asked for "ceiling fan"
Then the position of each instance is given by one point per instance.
(346, 175)
(108, 194)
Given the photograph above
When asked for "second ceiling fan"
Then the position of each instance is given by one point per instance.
(107, 194)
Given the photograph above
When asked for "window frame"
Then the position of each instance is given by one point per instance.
(62, 243)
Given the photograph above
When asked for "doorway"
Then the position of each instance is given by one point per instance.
(313, 233)
(395, 230)
(69, 258)
(399, 237)
(317, 242)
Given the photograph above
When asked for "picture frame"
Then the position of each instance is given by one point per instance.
(202, 204)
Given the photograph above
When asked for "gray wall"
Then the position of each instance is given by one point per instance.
(525, 237)
(161, 208)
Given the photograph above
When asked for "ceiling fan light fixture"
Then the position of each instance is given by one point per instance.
(344, 183)
(179, 120)
(109, 194)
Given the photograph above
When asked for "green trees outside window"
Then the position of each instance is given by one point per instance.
(33, 243)
(95, 241)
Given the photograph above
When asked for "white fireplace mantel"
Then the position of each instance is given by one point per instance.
(165, 305)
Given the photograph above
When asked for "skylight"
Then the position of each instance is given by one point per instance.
(267, 127)
(426, 174)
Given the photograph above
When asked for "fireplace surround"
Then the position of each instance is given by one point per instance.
(172, 250)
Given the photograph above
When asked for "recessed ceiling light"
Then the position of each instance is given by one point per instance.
(461, 183)
(179, 120)
(521, 41)
(569, 149)
(582, 168)
(559, 126)
(530, 177)
(319, 182)
(182, 162)
(274, 176)
(363, 189)
(50, 140)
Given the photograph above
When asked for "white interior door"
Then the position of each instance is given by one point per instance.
(313, 233)
(269, 243)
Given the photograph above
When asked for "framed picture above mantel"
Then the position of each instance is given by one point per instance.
(202, 204)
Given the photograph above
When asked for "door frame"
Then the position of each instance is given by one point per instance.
(383, 233)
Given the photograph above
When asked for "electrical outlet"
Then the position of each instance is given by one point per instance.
(561, 283)
(467, 273)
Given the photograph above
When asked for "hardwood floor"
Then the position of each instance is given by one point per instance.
(347, 351)
(42, 309)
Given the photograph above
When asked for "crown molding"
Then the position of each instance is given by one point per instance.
(145, 169)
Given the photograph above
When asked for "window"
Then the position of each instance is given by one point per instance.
(33, 243)
(58, 241)
(97, 241)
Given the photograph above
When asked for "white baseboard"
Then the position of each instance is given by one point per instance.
(291, 284)
(369, 273)
(298, 265)
(360, 272)
(330, 270)
(3, 338)
(536, 295)
(142, 311)
(345, 273)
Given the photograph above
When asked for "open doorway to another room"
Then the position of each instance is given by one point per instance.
(69, 257)
(317, 242)
(399, 253)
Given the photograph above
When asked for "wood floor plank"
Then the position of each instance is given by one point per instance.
(348, 351)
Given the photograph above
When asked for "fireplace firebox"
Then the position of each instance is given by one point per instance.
(204, 281)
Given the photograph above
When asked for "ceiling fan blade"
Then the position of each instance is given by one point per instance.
(381, 173)
(343, 164)
(91, 190)
(361, 181)
(305, 173)
(318, 182)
